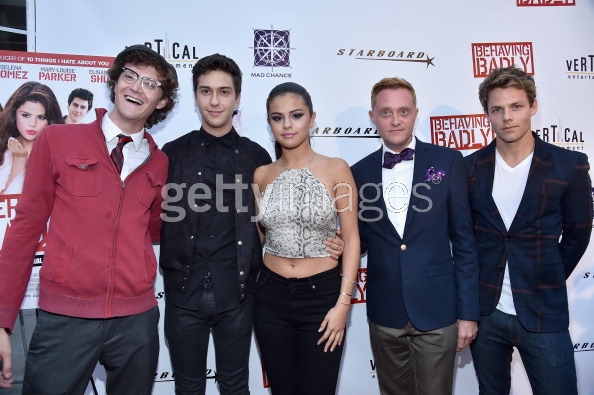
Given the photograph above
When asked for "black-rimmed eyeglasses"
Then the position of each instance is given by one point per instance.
(148, 84)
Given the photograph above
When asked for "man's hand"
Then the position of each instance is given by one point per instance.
(6, 358)
(467, 331)
(335, 247)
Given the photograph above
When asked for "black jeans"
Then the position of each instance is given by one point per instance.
(188, 334)
(287, 316)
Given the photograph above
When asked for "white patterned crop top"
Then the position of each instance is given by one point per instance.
(299, 214)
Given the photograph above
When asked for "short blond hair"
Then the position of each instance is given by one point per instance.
(392, 83)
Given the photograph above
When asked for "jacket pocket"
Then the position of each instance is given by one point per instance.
(59, 270)
(149, 189)
(439, 269)
(83, 178)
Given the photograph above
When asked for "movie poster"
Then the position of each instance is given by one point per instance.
(62, 74)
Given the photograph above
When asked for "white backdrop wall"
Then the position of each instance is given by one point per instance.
(338, 50)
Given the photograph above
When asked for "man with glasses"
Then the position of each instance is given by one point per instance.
(96, 297)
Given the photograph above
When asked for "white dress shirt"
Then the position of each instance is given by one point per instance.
(135, 152)
(397, 188)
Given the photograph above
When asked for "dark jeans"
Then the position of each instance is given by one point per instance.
(287, 317)
(547, 357)
(64, 352)
(188, 334)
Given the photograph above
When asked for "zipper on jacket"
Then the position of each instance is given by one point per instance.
(108, 306)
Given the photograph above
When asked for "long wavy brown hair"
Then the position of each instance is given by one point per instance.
(28, 92)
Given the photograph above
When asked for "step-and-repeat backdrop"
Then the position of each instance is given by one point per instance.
(338, 50)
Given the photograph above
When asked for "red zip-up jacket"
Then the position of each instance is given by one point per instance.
(99, 260)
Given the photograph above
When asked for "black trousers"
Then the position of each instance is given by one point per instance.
(287, 316)
(188, 334)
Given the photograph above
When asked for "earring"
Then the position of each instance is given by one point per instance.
(272, 139)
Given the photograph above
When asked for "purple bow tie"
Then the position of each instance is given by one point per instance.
(391, 159)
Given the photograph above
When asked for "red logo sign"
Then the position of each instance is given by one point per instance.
(544, 3)
(359, 295)
(490, 56)
(461, 132)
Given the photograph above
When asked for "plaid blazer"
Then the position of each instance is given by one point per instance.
(547, 237)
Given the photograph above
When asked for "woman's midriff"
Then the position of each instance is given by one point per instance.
(298, 267)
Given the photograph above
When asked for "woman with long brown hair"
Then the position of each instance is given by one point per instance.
(29, 109)
(303, 295)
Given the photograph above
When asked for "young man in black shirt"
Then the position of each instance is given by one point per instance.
(210, 248)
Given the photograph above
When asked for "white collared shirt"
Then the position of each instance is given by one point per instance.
(135, 152)
(397, 188)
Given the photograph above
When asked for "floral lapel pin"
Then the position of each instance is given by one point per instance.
(435, 176)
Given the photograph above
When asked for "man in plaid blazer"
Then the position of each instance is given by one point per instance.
(532, 211)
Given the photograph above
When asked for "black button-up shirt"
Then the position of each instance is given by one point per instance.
(221, 242)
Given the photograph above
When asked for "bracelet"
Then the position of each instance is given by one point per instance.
(347, 277)
(344, 293)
